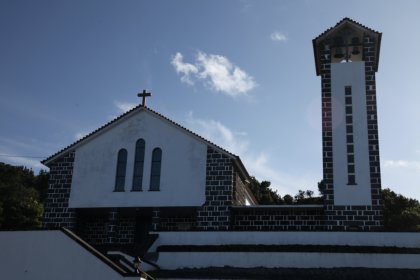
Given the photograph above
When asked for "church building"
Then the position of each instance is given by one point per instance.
(142, 173)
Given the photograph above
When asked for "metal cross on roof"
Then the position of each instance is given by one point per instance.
(143, 95)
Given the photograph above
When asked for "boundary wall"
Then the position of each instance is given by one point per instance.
(389, 239)
(51, 255)
(180, 258)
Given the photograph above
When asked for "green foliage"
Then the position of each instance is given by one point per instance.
(20, 203)
(400, 213)
(267, 196)
(1, 214)
(22, 208)
(288, 199)
(41, 184)
(321, 187)
(307, 197)
(263, 193)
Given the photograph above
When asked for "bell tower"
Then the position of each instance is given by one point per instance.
(346, 58)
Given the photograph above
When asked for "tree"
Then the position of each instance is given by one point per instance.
(20, 204)
(400, 213)
(288, 199)
(321, 188)
(263, 193)
(21, 208)
(41, 184)
(1, 214)
(307, 197)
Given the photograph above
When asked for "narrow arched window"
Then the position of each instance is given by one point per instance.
(121, 167)
(155, 171)
(138, 165)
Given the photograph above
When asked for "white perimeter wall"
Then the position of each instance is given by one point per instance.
(342, 75)
(398, 239)
(170, 260)
(174, 260)
(49, 255)
(183, 170)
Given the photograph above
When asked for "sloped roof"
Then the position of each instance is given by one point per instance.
(346, 19)
(342, 22)
(128, 114)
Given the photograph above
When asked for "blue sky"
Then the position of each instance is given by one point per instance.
(239, 73)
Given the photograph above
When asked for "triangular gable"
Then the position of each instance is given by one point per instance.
(127, 115)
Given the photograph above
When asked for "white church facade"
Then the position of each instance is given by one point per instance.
(143, 174)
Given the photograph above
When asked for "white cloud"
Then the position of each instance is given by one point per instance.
(33, 164)
(258, 164)
(246, 6)
(215, 71)
(80, 135)
(219, 134)
(402, 164)
(402, 176)
(185, 69)
(124, 106)
(15, 158)
(277, 36)
(223, 76)
(28, 154)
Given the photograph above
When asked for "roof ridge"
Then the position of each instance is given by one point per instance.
(138, 107)
(192, 132)
(343, 20)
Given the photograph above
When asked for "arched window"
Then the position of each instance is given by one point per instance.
(155, 172)
(138, 165)
(121, 167)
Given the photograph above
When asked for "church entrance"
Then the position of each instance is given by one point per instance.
(142, 228)
(142, 237)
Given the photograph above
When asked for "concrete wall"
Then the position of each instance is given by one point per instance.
(398, 239)
(342, 75)
(174, 260)
(170, 260)
(183, 170)
(49, 255)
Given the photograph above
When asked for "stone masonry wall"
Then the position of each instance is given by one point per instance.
(125, 230)
(327, 156)
(96, 228)
(93, 229)
(240, 191)
(177, 223)
(215, 214)
(57, 214)
(278, 219)
(372, 115)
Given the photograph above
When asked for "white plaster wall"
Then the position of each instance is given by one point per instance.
(397, 239)
(350, 74)
(174, 260)
(183, 170)
(49, 255)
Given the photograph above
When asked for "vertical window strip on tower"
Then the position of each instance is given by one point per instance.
(121, 168)
(351, 171)
(138, 165)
